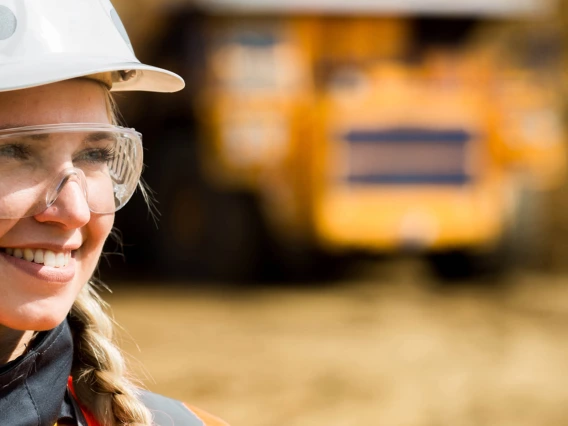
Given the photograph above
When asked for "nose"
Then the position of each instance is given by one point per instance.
(67, 204)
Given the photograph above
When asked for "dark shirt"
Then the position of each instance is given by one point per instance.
(34, 392)
(33, 386)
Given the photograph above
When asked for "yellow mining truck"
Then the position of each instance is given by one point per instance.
(387, 127)
(366, 127)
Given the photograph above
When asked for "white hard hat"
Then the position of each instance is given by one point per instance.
(45, 41)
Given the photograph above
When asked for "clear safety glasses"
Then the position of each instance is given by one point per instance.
(38, 162)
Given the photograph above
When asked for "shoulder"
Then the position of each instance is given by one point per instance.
(170, 412)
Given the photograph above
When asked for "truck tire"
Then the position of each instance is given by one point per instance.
(521, 245)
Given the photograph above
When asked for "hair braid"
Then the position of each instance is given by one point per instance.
(99, 371)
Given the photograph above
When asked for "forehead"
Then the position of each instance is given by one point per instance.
(72, 101)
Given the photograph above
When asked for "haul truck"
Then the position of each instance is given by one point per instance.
(369, 127)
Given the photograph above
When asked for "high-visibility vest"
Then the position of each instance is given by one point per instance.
(206, 418)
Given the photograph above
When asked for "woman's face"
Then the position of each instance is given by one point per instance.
(36, 297)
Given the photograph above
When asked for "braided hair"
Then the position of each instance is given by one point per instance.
(99, 373)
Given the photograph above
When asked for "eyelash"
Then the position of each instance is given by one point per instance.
(22, 152)
(15, 150)
(104, 155)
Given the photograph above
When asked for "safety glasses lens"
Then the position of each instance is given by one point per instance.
(38, 163)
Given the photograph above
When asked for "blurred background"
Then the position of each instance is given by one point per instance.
(359, 211)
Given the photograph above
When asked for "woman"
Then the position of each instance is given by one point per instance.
(65, 169)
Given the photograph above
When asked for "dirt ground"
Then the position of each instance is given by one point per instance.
(390, 347)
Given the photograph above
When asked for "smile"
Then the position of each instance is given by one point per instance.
(41, 256)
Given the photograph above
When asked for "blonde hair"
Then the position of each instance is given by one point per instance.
(100, 377)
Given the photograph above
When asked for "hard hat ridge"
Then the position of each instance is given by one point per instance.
(45, 41)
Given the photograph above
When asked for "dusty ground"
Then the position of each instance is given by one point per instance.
(389, 348)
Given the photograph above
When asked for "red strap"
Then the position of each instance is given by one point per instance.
(91, 421)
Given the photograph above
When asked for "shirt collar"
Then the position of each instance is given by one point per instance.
(33, 387)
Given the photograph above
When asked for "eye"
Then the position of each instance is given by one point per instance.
(17, 151)
(97, 155)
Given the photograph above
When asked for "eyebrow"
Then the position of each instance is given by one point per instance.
(32, 137)
(100, 136)
(16, 126)
(91, 137)
(10, 126)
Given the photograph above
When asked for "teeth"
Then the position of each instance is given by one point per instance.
(59, 260)
(47, 257)
(38, 256)
(29, 254)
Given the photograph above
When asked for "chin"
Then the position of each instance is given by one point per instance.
(47, 323)
(41, 323)
(37, 316)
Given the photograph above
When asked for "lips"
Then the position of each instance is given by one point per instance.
(59, 268)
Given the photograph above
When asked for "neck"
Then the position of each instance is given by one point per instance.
(13, 343)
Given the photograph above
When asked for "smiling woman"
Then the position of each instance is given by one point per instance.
(65, 169)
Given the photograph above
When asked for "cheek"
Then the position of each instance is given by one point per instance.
(102, 227)
(97, 231)
(6, 225)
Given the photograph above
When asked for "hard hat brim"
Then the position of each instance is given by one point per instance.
(23, 75)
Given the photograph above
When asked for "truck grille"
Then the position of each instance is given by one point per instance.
(408, 156)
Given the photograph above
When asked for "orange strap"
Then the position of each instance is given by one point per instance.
(205, 417)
